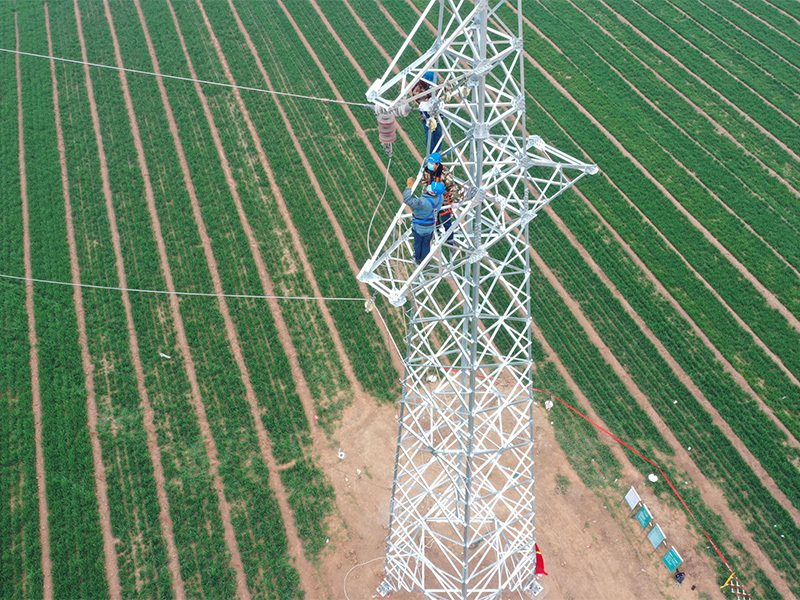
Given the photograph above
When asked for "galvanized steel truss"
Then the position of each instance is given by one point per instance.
(463, 506)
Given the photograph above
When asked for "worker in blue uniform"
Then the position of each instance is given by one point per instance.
(423, 217)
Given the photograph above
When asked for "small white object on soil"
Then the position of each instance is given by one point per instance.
(653, 477)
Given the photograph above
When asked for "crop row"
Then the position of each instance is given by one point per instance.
(744, 96)
(189, 486)
(756, 65)
(739, 181)
(752, 100)
(724, 340)
(772, 195)
(284, 418)
(731, 339)
(75, 540)
(717, 271)
(20, 550)
(255, 516)
(335, 277)
(760, 22)
(624, 119)
(242, 469)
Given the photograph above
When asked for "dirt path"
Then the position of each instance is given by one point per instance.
(295, 547)
(717, 126)
(682, 376)
(209, 443)
(280, 201)
(711, 494)
(33, 339)
(101, 485)
(759, 19)
(702, 82)
(768, 296)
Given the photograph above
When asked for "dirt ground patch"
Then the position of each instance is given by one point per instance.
(591, 546)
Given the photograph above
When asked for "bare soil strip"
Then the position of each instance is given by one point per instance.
(101, 491)
(783, 12)
(294, 545)
(711, 494)
(770, 298)
(721, 67)
(44, 530)
(297, 243)
(701, 81)
(210, 445)
(717, 126)
(760, 20)
(684, 378)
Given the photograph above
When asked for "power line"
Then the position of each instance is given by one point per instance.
(206, 294)
(179, 78)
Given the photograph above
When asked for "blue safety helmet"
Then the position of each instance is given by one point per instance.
(435, 157)
(430, 76)
(435, 188)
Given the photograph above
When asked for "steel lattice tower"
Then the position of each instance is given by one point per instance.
(462, 511)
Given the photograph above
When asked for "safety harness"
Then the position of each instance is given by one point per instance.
(430, 219)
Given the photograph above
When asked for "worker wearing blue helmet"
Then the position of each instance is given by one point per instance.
(433, 133)
(437, 172)
(423, 218)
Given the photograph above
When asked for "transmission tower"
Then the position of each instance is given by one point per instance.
(463, 505)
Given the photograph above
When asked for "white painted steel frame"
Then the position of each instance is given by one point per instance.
(463, 504)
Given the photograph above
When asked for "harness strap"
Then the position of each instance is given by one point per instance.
(430, 218)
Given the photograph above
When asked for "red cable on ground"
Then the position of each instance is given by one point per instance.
(607, 432)
(603, 429)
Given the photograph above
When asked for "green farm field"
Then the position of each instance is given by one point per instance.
(166, 445)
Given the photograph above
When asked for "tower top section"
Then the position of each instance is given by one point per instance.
(469, 88)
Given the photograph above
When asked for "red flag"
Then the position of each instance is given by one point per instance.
(539, 562)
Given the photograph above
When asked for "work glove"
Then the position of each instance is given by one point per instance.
(433, 124)
(410, 182)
